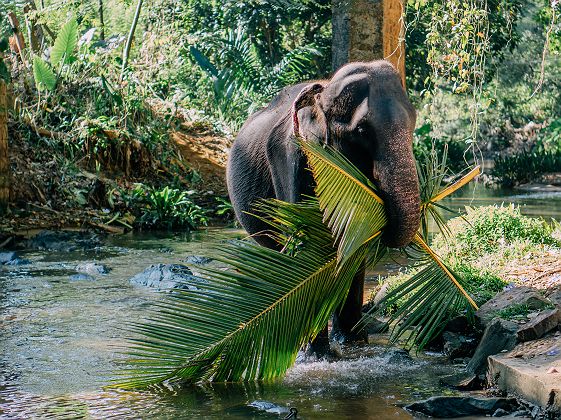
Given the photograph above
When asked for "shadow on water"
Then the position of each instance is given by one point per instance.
(59, 337)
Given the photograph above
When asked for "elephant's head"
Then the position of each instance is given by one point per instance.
(364, 112)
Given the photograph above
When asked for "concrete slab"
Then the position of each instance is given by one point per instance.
(532, 371)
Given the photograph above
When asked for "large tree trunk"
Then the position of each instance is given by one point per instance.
(4, 161)
(365, 30)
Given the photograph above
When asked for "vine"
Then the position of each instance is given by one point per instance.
(460, 39)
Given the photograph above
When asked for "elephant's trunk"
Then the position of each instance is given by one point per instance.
(397, 177)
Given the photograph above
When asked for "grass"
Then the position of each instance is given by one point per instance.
(517, 312)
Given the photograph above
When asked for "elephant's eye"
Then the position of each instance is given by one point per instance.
(361, 129)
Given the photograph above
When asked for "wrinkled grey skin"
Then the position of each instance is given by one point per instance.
(362, 111)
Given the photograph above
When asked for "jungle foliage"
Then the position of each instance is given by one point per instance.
(474, 70)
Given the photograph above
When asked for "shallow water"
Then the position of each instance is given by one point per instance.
(59, 339)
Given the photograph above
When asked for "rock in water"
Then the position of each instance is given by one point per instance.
(498, 336)
(81, 277)
(92, 268)
(12, 258)
(457, 345)
(6, 257)
(197, 260)
(64, 241)
(450, 407)
(167, 277)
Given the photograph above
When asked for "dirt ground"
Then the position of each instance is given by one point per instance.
(204, 151)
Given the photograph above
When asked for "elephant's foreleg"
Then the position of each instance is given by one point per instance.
(350, 313)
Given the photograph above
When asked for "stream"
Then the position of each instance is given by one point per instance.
(61, 333)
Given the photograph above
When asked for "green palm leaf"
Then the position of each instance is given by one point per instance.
(65, 43)
(44, 76)
(247, 322)
(432, 296)
(352, 209)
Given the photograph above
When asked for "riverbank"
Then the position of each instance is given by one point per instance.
(51, 189)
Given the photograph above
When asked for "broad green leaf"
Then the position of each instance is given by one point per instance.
(65, 43)
(44, 76)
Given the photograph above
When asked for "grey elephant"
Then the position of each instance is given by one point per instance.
(362, 111)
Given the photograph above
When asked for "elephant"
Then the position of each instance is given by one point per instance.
(363, 111)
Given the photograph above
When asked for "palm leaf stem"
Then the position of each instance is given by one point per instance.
(436, 259)
(458, 184)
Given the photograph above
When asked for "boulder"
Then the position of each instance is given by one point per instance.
(396, 356)
(554, 295)
(522, 295)
(451, 407)
(167, 277)
(81, 277)
(12, 258)
(6, 257)
(462, 381)
(92, 268)
(537, 327)
(498, 336)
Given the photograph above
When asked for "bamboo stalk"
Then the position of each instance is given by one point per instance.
(128, 45)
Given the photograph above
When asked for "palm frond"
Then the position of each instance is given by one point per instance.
(432, 296)
(432, 173)
(247, 322)
(351, 208)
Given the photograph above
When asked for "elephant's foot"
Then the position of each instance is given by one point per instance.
(342, 336)
(322, 348)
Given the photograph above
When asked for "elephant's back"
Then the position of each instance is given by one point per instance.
(269, 116)
(250, 145)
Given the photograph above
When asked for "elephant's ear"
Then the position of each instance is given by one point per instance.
(306, 97)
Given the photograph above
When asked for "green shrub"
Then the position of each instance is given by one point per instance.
(165, 208)
(482, 285)
(485, 229)
(518, 311)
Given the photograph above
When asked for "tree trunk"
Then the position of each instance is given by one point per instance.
(128, 45)
(365, 30)
(4, 161)
(101, 20)
(17, 37)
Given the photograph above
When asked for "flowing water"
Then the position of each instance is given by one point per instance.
(60, 335)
